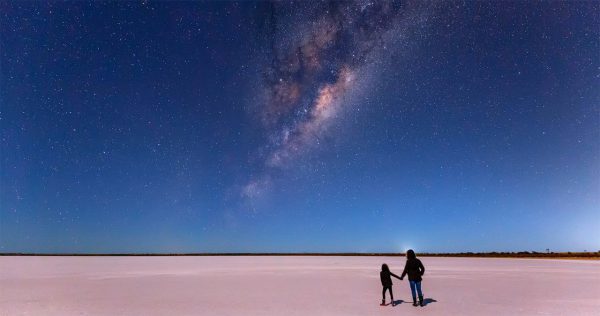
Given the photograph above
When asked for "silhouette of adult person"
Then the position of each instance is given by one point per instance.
(415, 270)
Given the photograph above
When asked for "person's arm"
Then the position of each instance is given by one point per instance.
(422, 267)
(395, 276)
(405, 270)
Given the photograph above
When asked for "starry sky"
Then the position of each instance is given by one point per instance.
(353, 126)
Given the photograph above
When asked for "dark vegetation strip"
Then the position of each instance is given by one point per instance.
(522, 254)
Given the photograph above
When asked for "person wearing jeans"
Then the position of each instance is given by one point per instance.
(415, 286)
(415, 270)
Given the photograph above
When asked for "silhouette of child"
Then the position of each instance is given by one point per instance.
(386, 281)
(415, 270)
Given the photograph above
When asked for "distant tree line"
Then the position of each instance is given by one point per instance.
(493, 254)
(519, 254)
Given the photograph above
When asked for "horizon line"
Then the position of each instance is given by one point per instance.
(398, 254)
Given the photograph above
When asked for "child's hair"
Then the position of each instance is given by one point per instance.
(385, 268)
(410, 254)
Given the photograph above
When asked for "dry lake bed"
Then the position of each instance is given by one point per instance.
(281, 285)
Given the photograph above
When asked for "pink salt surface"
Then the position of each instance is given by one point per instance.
(292, 286)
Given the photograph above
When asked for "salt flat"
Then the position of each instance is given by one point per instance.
(292, 286)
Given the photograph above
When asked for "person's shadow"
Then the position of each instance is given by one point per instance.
(398, 302)
(428, 300)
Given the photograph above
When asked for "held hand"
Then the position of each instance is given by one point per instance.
(401, 279)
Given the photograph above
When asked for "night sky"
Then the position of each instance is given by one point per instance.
(307, 126)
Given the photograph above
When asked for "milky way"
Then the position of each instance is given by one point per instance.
(321, 61)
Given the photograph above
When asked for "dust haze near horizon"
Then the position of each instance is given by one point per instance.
(351, 126)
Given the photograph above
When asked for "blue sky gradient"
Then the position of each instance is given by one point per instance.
(281, 127)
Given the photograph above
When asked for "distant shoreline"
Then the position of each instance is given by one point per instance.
(516, 255)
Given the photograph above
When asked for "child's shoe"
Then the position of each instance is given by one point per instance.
(382, 303)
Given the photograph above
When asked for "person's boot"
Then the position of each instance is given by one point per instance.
(420, 300)
(382, 302)
(415, 301)
(393, 303)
